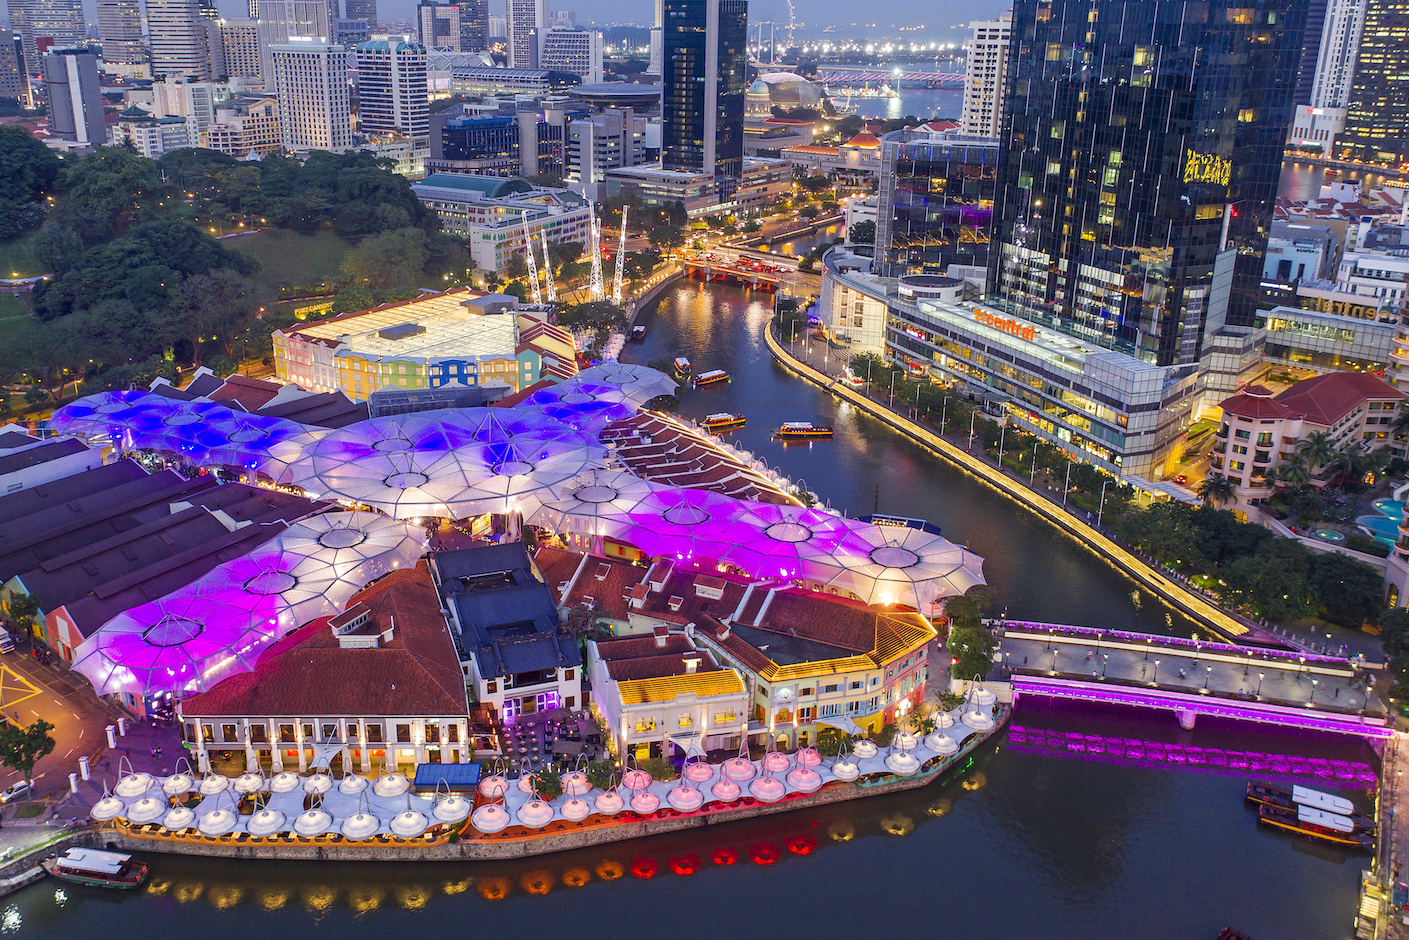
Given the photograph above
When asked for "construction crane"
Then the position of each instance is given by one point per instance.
(548, 267)
(595, 290)
(620, 261)
(532, 265)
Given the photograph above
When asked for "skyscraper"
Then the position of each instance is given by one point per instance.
(392, 90)
(1143, 144)
(75, 96)
(239, 40)
(361, 10)
(282, 20)
(59, 20)
(314, 107)
(1377, 124)
(1334, 62)
(526, 19)
(178, 37)
(12, 81)
(576, 51)
(120, 27)
(702, 104)
(474, 25)
(985, 76)
(439, 25)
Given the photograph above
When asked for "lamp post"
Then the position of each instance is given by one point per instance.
(1207, 675)
(1066, 489)
(1259, 685)
(1104, 663)
(1033, 476)
(973, 416)
(1155, 680)
(1002, 432)
(892, 389)
(943, 414)
(1102, 508)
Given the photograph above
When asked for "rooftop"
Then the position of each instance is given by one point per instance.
(309, 673)
(450, 329)
(1322, 400)
(17, 459)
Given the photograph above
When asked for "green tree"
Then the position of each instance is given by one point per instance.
(516, 268)
(1318, 448)
(110, 191)
(21, 749)
(1216, 490)
(216, 307)
(57, 247)
(970, 643)
(1394, 639)
(23, 610)
(30, 172)
(1349, 591)
(665, 238)
(566, 253)
(390, 259)
(1295, 472)
(862, 233)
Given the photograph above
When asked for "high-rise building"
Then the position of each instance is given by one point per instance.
(178, 37)
(986, 76)
(576, 51)
(1332, 79)
(244, 125)
(58, 20)
(120, 27)
(283, 20)
(439, 25)
(361, 10)
(239, 40)
(1310, 46)
(702, 103)
(254, 9)
(1144, 145)
(656, 63)
(498, 26)
(1377, 122)
(392, 91)
(72, 81)
(935, 203)
(474, 25)
(351, 32)
(314, 105)
(526, 19)
(12, 80)
(562, 19)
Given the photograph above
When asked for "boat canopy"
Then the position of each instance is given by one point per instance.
(1306, 796)
(1322, 818)
(95, 860)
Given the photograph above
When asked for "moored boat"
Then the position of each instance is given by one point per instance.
(1295, 797)
(803, 429)
(712, 377)
(638, 333)
(722, 421)
(1317, 824)
(682, 365)
(96, 867)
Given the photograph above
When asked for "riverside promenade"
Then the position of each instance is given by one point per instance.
(1170, 590)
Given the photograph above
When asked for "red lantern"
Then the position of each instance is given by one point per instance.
(644, 868)
(723, 856)
(765, 853)
(685, 864)
(801, 845)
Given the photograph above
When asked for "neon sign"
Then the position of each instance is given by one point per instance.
(1207, 168)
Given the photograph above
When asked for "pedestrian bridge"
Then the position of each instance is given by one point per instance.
(1191, 677)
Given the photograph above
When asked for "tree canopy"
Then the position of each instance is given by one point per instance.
(31, 170)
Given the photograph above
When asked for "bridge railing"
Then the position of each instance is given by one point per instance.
(1173, 642)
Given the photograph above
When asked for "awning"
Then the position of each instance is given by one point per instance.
(844, 724)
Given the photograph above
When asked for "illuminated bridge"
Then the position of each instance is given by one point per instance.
(891, 77)
(1192, 677)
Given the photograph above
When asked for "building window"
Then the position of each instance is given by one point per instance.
(830, 688)
(207, 733)
(687, 720)
(308, 731)
(567, 675)
(853, 708)
(352, 731)
(855, 684)
(492, 686)
(807, 691)
(432, 734)
(570, 701)
(259, 733)
(374, 734)
(403, 734)
(1242, 434)
(229, 733)
(330, 732)
(452, 734)
(645, 724)
(286, 734)
(831, 711)
(805, 714)
(726, 717)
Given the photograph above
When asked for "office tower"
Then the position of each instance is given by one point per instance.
(239, 40)
(498, 26)
(75, 96)
(702, 103)
(59, 20)
(120, 28)
(283, 20)
(361, 10)
(1310, 47)
(1334, 62)
(526, 19)
(439, 25)
(657, 56)
(562, 19)
(314, 106)
(986, 76)
(351, 32)
(1377, 123)
(575, 51)
(392, 89)
(1143, 144)
(12, 80)
(254, 9)
(935, 202)
(179, 41)
(474, 25)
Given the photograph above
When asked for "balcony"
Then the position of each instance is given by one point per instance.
(1221, 447)
(1261, 456)
(1221, 433)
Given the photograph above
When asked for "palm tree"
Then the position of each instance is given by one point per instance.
(1295, 472)
(1216, 490)
(1318, 448)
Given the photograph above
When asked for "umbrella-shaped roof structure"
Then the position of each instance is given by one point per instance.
(632, 384)
(202, 432)
(908, 566)
(458, 463)
(597, 502)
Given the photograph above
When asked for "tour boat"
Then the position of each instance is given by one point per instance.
(1296, 797)
(1318, 824)
(804, 429)
(638, 333)
(95, 867)
(682, 365)
(723, 421)
(712, 377)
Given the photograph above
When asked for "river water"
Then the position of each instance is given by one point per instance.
(1016, 843)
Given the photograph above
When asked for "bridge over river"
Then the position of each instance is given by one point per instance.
(1192, 677)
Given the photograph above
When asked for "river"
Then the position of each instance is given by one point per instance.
(1016, 844)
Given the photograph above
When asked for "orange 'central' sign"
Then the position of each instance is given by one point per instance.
(1016, 327)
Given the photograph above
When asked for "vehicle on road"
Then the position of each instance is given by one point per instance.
(7, 642)
(10, 794)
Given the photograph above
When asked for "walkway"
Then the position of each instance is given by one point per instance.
(1170, 590)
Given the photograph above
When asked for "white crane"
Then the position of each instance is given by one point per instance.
(620, 261)
(548, 267)
(595, 290)
(532, 265)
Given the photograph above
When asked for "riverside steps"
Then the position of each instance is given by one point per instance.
(1192, 677)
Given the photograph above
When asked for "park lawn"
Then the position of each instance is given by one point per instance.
(12, 316)
(291, 261)
(17, 256)
(30, 810)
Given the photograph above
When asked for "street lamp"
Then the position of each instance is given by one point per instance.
(1104, 663)
(1034, 464)
(1259, 685)
(1002, 433)
(1067, 488)
(1207, 676)
(1102, 508)
(973, 416)
(892, 389)
(1155, 680)
(943, 414)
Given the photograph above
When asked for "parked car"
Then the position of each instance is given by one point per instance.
(1181, 479)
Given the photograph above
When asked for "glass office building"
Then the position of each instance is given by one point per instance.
(1142, 143)
(1377, 123)
(706, 65)
(936, 201)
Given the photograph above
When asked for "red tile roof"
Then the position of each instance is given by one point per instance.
(642, 647)
(658, 667)
(307, 673)
(557, 566)
(252, 394)
(616, 579)
(1325, 399)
